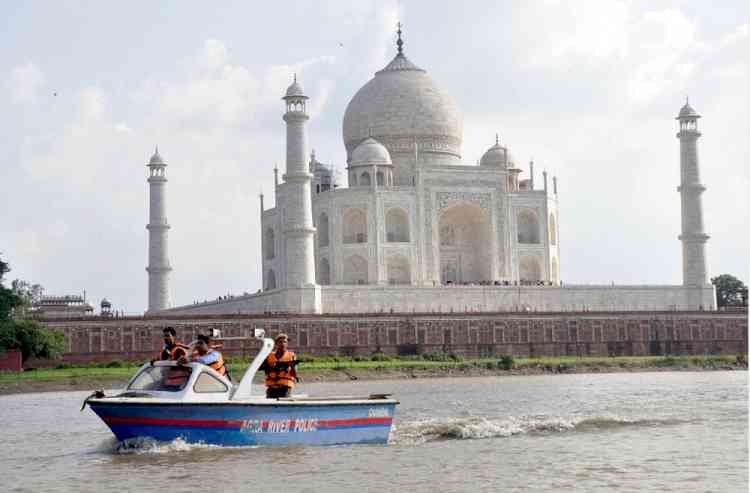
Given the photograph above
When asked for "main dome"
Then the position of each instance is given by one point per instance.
(401, 106)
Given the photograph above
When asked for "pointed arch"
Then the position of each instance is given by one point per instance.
(323, 230)
(399, 270)
(270, 279)
(355, 226)
(364, 179)
(528, 227)
(269, 245)
(324, 272)
(529, 269)
(397, 225)
(355, 270)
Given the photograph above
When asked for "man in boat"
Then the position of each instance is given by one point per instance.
(280, 368)
(204, 354)
(173, 350)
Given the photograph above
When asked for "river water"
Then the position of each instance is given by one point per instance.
(671, 431)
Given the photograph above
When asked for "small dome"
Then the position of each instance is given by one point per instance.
(687, 111)
(156, 159)
(105, 303)
(498, 156)
(370, 151)
(295, 90)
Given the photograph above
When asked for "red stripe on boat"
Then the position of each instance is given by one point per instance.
(238, 423)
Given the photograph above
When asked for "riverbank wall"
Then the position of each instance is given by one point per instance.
(95, 339)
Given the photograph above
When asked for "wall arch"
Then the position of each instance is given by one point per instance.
(270, 279)
(465, 237)
(399, 270)
(396, 225)
(323, 230)
(324, 272)
(529, 268)
(355, 226)
(355, 270)
(528, 227)
(364, 179)
(269, 244)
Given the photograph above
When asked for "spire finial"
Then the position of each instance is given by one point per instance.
(156, 150)
(687, 100)
(399, 43)
(497, 139)
(295, 76)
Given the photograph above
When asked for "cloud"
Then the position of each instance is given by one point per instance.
(123, 128)
(25, 83)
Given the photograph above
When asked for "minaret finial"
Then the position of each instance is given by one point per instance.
(156, 150)
(400, 43)
(295, 76)
(497, 139)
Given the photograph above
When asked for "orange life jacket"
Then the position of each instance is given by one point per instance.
(277, 377)
(175, 353)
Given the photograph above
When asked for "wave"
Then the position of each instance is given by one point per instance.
(147, 445)
(431, 429)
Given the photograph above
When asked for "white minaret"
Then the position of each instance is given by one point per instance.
(158, 259)
(693, 238)
(298, 226)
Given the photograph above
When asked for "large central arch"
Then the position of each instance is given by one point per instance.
(464, 244)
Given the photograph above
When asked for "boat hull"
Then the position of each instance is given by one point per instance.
(242, 424)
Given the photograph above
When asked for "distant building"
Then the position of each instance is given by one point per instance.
(67, 306)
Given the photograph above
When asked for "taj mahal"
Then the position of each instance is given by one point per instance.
(417, 229)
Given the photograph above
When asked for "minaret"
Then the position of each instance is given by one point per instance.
(298, 227)
(693, 238)
(158, 259)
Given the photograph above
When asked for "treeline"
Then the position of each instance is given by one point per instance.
(16, 332)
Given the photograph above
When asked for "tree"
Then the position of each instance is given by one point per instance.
(8, 299)
(730, 291)
(27, 293)
(31, 339)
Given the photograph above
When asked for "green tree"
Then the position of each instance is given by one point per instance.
(730, 291)
(8, 299)
(31, 339)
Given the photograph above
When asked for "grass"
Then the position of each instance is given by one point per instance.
(124, 370)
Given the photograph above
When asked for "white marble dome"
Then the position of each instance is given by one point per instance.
(370, 151)
(498, 157)
(295, 90)
(401, 106)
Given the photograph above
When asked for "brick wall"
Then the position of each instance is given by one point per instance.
(471, 335)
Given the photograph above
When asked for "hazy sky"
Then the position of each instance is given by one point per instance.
(588, 89)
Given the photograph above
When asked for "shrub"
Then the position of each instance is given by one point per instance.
(379, 356)
(505, 363)
(115, 364)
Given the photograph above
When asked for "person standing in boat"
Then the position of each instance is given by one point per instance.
(280, 368)
(204, 354)
(172, 350)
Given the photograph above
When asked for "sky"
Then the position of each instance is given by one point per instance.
(588, 89)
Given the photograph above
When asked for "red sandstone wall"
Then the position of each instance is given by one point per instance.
(10, 360)
(520, 334)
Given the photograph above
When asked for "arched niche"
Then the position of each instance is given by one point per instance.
(396, 225)
(355, 270)
(269, 244)
(529, 268)
(324, 272)
(355, 226)
(464, 231)
(323, 230)
(364, 179)
(528, 227)
(270, 279)
(399, 270)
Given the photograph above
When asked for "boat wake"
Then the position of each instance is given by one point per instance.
(425, 430)
(146, 445)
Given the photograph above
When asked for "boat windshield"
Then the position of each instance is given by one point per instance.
(163, 378)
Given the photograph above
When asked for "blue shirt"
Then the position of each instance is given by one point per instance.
(208, 358)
